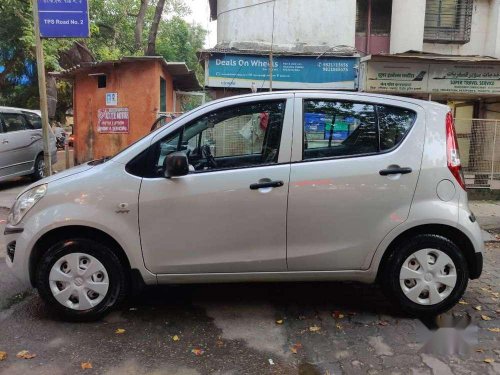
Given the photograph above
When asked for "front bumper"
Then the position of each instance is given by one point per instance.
(17, 258)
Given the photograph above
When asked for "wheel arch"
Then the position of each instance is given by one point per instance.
(453, 234)
(74, 231)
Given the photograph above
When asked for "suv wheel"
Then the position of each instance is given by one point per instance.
(81, 279)
(39, 172)
(427, 275)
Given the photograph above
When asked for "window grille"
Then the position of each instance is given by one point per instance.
(448, 21)
(380, 14)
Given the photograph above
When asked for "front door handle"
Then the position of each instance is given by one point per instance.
(266, 184)
(395, 170)
(5, 141)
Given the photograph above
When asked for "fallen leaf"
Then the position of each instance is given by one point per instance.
(302, 317)
(271, 362)
(197, 352)
(314, 329)
(485, 317)
(479, 350)
(279, 321)
(496, 330)
(462, 302)
(175, 338)
(478, 308)
(120, 331)
(495, 294)
(488, 360)
(3, 356)
(338, 325)
(484, 289)
(383, 323)
(338, 315)
(86, 365)
(296, 347)
(219, 343)
(24, 354)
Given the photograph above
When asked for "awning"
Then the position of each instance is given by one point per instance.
(184, 78)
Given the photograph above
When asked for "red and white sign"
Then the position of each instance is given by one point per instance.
(113, 120)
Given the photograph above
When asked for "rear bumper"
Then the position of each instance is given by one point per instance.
(477, 266)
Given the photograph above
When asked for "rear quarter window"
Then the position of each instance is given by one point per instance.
(394, 124)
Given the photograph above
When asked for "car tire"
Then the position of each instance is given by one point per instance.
(81, 279)
(425, 288)
(39, 171)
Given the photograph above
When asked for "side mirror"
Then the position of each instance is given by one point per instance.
(176, 164)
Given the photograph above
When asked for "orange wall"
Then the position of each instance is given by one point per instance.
(138, 88)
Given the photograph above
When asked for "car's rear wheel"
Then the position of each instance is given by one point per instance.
(81, 279)
(426, 275)
(39, 171)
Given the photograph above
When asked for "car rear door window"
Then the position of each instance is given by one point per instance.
(394, 124)
(34, 120)
(339, 128)
(13, 122)
(345, 128)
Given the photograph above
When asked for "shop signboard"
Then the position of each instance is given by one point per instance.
(289, 72)
(396, 77)
(113, 120)
(414, 77)
(464, 78)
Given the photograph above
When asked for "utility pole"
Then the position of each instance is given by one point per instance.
(271, 71)
(42, 87)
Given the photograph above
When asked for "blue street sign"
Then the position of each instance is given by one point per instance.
(63, 18)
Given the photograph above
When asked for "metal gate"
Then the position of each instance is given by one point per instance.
(479, 143)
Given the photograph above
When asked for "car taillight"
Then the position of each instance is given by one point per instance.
(452, 152)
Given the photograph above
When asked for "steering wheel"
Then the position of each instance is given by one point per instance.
(207, 155)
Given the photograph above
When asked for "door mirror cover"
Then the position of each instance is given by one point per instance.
(176, 164)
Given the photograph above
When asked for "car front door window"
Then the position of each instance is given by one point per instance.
(13, 122)
(235, 137)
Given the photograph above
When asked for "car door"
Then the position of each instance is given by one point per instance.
(216, 219)
(355, 165)
(15, 143)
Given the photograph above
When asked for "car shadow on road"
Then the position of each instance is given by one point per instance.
(291, 296)
(15, 183)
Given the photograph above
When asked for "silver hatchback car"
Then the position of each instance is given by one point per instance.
(21, 146)
(268, 187)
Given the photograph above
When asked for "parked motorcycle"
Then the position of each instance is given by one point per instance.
(60, 141)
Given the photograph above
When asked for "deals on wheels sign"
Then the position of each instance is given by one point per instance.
(113, 120)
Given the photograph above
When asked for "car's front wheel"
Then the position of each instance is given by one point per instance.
(39, 171)
(426, 275)
(81, 279)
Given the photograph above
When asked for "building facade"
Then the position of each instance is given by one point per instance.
(442, 50)
(117, 102)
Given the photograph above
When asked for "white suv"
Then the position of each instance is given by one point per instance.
(266, 187)
(21, 145)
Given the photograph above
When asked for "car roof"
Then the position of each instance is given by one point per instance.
(19, 110)
(353, 94)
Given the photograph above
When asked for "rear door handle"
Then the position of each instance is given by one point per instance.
(267, 184)
(5, 141)
(395, 170)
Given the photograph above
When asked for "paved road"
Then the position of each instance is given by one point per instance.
(334, 327)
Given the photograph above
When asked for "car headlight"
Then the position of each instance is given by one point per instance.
(24, 203)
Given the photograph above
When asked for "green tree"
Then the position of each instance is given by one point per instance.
(118, 28)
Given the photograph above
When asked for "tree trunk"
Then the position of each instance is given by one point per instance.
(139, 24)
(150, 51)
